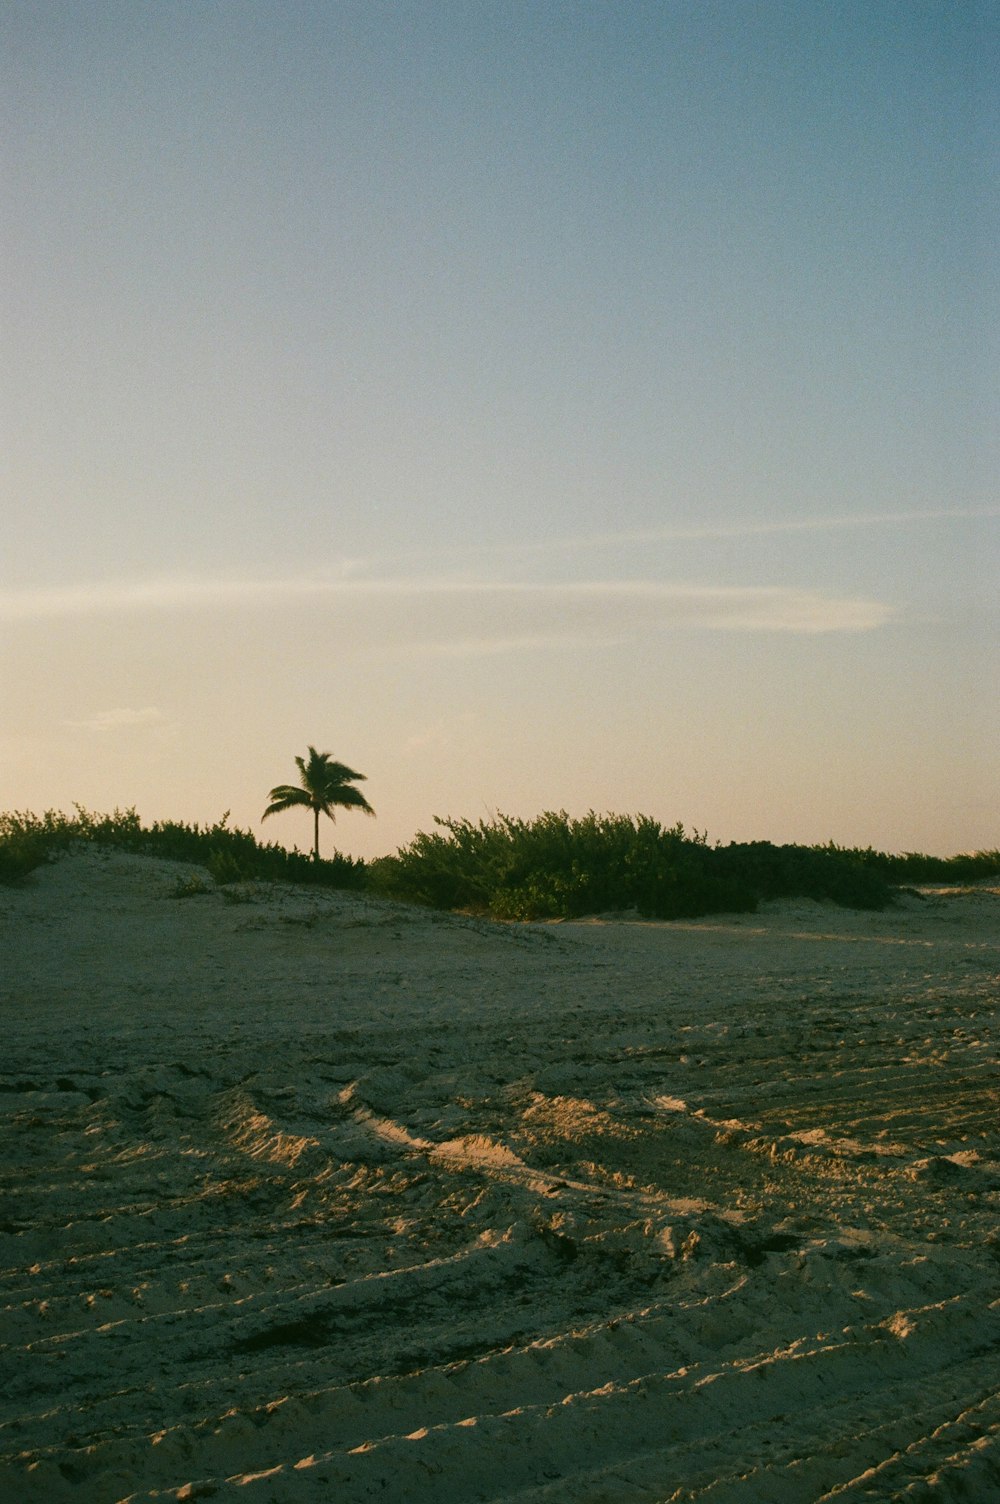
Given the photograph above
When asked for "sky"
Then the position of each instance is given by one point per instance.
(535, 405)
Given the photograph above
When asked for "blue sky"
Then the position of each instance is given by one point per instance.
(537, 406)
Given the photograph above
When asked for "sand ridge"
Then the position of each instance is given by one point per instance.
(308, 1196)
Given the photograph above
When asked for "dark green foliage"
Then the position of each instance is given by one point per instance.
(18, 857)
(557, 867)
(229, 854)
(550, 867)
(914, 867)
(804, 872)
(190, 887)
(27, 840)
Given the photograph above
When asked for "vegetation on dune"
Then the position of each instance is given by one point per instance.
(915, 867)
(823, 872)
(324, 785)
(557, 867)
(25, 842)
(549, 867)
(229, 854)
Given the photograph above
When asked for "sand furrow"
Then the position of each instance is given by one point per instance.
(307, 1199)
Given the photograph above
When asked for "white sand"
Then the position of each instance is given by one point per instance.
(313, 1198)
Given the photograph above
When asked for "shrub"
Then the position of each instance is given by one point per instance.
(805, 872)
(557, 867)
(190, 887)
(915, 867)
(27, 840)
(230, 854)
(226, 867)
(20, 855)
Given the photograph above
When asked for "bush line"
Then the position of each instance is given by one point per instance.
(557, 867)
(229, 854)
(552, 867)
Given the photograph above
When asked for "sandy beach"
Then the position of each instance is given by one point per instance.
(308, 1196)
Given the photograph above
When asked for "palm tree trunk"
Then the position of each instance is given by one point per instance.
(316, 837)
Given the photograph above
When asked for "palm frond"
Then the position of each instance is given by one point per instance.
(285, 796)
(347, 798)
(339, 772)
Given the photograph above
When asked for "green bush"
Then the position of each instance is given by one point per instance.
(27, 840)
(226, 867)
(20, 855)
(555, 867)
(914, 867)
(549, 867)
(805, 872)
(190, 887)
(230, 854)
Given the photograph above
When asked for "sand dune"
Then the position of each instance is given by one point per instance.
(310, 1197)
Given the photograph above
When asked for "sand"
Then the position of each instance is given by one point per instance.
(310, 1197)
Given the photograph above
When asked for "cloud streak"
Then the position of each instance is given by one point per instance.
(723, 531)
(714, 532)
(357, 581)
(122, 719)
(459, 615)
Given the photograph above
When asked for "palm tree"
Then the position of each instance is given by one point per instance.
(323, 784)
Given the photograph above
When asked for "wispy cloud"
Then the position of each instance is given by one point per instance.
(709, 532)
(746, 529)
(462, 615)
(354, 580)
(137, 596)
(122, 719)
(498, 618)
